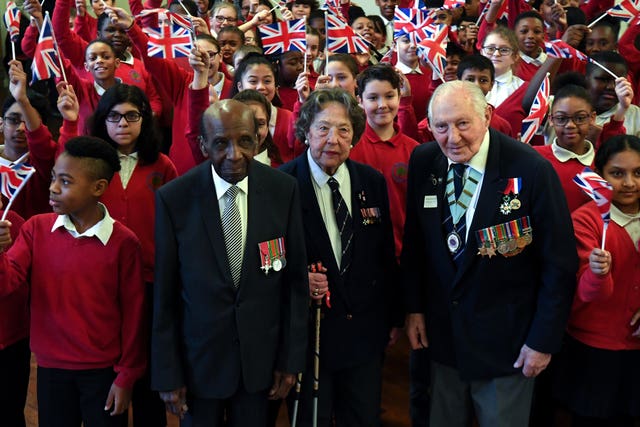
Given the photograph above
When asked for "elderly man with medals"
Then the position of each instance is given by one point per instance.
(489, 262)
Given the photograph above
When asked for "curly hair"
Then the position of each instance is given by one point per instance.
(317, 102)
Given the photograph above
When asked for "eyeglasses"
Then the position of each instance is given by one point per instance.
(490, 50)
(212, 53)
(221, 19)
(130, 116)
(578, 119)
(14, 120)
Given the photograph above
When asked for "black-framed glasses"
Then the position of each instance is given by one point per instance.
(130, 116)
(578, 119)
(490, 50)
(221, 19)
(13, 120)
(212, 53)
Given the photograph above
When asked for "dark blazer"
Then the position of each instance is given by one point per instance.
(205, 334)
(355, 328)
(479, 316)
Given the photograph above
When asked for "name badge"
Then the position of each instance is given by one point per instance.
(430, 202)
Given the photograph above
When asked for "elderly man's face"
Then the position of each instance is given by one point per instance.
(458, 127)
(330, 136)
(230, 140)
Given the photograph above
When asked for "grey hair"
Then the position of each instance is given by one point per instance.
(459, 88)
(318, 100)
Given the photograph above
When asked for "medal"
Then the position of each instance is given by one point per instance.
(515, 204)
(505, 207)
(277, 264)
(454, 242)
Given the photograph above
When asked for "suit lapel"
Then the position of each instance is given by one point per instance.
(207, 199)
(436, 183)
(256, 200)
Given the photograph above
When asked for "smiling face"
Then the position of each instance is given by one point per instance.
(98, 6)
(571, 136)
(101, 61)
(407, 52)
(261, 78)
(380, 102)
(502, 63)
(530, 35)
(622, 171)
(364, 27)
(329, 137)
(224, 16)
(387, 8)
(300, 10)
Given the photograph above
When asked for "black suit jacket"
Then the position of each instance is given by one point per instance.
(355, 328)
(205, 334)
(480, 315)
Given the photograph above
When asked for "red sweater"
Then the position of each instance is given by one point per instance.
(288, 96)
(603, 305)
(420, 91)
(627, 48)
(86, 298)
(391, 159)
(14, 308)
(34, 197)
(86, 27)
(135, 205)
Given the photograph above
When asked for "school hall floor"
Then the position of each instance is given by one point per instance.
(395, 392)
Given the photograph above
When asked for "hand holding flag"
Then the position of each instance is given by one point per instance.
(12, 180)
(600, 191)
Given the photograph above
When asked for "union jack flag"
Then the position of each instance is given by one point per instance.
(407, 20)
(341, 38)
(12, 20)
(503, 12)
(537, 113)
(281, 37)
(435, 53)
(388, 57)
(560, 49)
(452, 4)
(46, 60)
(626, 10)
(13, 178)
(600, 191)
(170, 40)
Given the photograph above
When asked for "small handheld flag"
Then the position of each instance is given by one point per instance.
(12, 21)
(600, 191)
(170, 40)
(280, 37)
(12, 181)
(537, 113)
(46, 59)
(341, 38)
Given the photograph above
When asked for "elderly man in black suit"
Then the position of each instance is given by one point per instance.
(348, 231)
(489, 259)
(231, 300)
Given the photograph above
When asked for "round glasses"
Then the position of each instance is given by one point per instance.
(131, 116)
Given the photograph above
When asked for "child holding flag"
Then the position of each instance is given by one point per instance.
(597, 372)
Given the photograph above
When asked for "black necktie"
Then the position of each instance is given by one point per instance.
(345, 224)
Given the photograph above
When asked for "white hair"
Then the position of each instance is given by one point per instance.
(459, 88)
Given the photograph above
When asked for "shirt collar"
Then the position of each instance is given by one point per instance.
(220, 85)
(222, 186)
(127, 58)
(621, 218)
(505, 78)
(321, 177)
(479, 160)
(371, 135)
(101, 229)
(274, 116)
(539, 60)
(564, 155)
(133, 155)
(405, 69)
(102, 90)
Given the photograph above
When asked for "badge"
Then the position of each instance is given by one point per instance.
(370, 216)
(430, 202)
(454, 242)
(510, 200)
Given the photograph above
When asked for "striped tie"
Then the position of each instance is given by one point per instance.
(232, 228)
(344, 222)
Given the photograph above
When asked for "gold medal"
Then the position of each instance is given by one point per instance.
(515, 204)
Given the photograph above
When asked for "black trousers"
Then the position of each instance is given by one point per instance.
(243, 409)
(14, 377)
(68, 398)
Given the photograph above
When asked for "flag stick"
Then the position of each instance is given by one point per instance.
(604, 233)
(42, 2)
(326, 44)
(598, 19)
(13, 49)
(604, 68)
(185, 9)
(305, 60)
(6, 210)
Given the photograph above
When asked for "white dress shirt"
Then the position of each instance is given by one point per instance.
(241, 200)
(128, 163)
(503, 87)
(325, 200)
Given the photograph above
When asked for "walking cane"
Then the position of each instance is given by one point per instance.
(316, 363)
(294, 418)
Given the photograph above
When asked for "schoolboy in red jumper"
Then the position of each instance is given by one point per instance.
(84, 273)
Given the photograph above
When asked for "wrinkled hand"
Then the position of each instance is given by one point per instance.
(282, 383)
(17, 81)
(67, 102)
(531, 361)
(600, 261)
(416, 331)
(318, 284)
(5, 234)
(118, 399)
(175, 401)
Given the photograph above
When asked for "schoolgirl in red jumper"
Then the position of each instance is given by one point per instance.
(598, 377)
